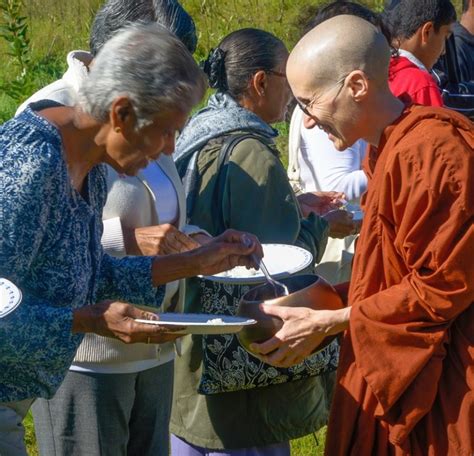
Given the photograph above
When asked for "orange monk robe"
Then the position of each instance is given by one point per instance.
(406, 373)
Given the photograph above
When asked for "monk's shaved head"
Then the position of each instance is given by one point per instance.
(335, 48)
(338, 72)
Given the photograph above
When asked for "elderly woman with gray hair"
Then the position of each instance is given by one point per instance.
(139, 92)
(143, 215)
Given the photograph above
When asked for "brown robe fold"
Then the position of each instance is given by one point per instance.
(406, 373)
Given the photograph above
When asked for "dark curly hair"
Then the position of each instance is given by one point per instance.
(405, 17)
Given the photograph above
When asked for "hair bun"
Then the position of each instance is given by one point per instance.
(214, 67)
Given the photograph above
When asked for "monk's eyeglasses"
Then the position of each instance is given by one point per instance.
(306, 107)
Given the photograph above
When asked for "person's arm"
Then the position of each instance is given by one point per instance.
(226, 251)
(122, 233)
(140, 279)
(302, 331)
(258, 198)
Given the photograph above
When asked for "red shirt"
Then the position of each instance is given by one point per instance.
(408, 81)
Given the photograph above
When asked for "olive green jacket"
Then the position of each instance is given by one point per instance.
(255, 197)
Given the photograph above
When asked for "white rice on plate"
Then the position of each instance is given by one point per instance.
(240, 271)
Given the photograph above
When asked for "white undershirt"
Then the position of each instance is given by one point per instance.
(124, 368)
(166, 199)
(323, 168)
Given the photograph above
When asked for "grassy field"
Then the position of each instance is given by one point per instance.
(311, 445)
(56, 27)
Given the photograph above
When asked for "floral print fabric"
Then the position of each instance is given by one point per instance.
(227, 366)
(50, 248)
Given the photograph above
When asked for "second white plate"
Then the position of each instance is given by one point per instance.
(281, 260)
(201, 323)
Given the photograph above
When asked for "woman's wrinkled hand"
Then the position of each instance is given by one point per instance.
(117, 320)
(157, 240)
(341, 223)
(232, 248)
(319, 202)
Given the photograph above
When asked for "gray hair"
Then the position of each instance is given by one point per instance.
(115, 14)
(151, 67)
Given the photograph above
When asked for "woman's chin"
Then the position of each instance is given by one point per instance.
(132, 169)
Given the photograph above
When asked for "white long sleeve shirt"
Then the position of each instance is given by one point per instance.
(318, 166)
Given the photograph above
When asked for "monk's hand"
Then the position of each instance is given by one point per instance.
(341, 223)
(232, 248)
(302, 332)
(117, 320)
(319, 202)
(154, 240)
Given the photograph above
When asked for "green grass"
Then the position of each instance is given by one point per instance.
(310, 445)
(30, 438)
(56, 27)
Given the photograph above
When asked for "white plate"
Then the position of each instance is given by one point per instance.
(281, 261)
(201, 323)
(10, 297)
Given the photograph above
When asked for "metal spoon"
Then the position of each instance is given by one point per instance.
(280, 288)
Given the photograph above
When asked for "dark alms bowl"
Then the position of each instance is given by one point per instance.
(305, 291)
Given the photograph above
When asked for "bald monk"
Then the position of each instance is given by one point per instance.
(406, 373)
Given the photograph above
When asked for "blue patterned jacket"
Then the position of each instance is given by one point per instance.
(50, 248)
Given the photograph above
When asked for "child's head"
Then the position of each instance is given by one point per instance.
(420, 26)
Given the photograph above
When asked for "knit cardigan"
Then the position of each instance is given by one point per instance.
(131, 203)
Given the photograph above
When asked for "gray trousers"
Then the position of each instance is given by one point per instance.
(12, 432)
(107, 414)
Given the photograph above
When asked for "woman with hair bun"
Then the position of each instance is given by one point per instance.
(227, 402)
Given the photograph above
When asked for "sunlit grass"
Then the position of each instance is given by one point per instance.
(30, 438)
(57, 27)
(311, 445)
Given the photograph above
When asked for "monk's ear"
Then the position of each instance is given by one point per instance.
(358, 85)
